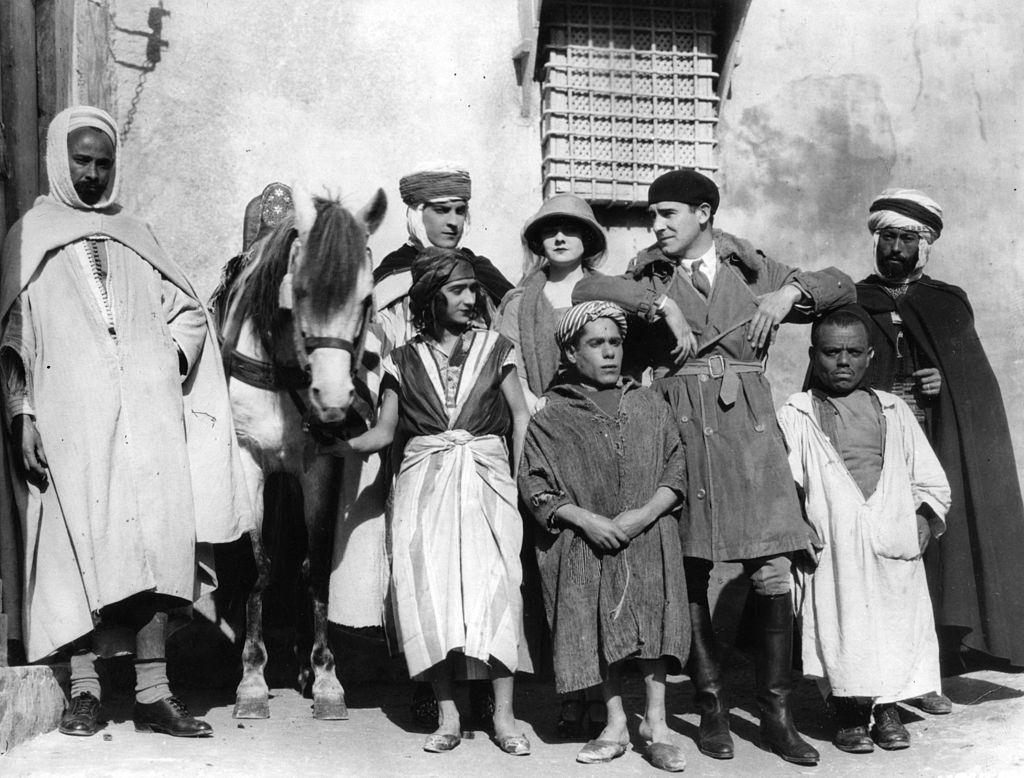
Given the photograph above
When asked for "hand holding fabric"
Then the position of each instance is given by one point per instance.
(26, 436)
(929, 381)
(924, 531)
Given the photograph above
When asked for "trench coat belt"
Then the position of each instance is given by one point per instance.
(719, 366)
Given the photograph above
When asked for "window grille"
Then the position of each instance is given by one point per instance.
(628, 93)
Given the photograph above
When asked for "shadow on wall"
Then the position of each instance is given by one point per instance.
(805, 163)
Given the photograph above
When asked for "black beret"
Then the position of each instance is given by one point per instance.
(684, 186)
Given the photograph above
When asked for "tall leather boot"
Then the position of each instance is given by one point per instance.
(714, 738)
(773, 670)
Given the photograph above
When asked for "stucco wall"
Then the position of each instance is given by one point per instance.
(830, 103)
(351, 93)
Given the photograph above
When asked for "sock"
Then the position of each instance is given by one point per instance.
(151, 683)
(83, 674)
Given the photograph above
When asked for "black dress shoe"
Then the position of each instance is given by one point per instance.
(852, 716)
(170, 716)
(82, 716)
(889, 732)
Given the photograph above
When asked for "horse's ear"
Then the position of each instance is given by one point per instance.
(305, 210)
(372, 214)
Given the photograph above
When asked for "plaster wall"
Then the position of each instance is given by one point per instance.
(830, 103)
(350, 94)
(833, 102)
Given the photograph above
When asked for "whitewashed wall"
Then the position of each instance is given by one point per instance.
(830, 103)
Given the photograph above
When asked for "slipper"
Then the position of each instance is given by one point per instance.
(599, 751)
(516, 745)
(666, 756)
(438, 744)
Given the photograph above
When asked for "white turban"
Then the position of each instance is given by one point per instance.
(909, 210)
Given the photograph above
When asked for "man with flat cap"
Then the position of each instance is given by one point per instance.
(722, 301)
(927, 351)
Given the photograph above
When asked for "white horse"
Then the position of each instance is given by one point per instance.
(294, 319)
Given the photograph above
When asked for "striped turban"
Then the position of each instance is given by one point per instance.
(579, 316)
(906, 209)
(910, 210)
(440, 181)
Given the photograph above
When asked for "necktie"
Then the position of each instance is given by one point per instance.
(700, 281)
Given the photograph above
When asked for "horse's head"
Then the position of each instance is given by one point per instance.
(329, 288)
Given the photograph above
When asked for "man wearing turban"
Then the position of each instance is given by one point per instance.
(437, 214)
(602, 472)
(436, 196)
(722, 301)
(928, 352)
(122, 430)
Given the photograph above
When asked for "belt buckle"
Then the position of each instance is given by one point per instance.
(719, 361)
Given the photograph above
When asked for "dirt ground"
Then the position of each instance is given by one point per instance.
(983, 736)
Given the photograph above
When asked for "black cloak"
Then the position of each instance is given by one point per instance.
(975, 571)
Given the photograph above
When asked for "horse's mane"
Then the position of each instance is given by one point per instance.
(334, 250)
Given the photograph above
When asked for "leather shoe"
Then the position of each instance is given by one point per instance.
(853, 740)
(170, 716)
(935, 703)
(852, 716)
(889, 732)
(82, 716)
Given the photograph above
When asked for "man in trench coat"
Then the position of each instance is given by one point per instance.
(722, 301)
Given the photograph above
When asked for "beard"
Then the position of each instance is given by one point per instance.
(89, 192)
(895, 267)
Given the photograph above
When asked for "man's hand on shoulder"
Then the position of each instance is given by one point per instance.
(772, 308)
(26, 436)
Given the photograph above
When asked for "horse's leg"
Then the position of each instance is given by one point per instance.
(252, 698)
(322, 487)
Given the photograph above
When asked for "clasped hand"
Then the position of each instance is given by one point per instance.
(613, 535)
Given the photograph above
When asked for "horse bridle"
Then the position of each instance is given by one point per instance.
(306, 344)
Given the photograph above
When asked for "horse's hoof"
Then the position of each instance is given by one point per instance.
(252, 709)
(330, 710)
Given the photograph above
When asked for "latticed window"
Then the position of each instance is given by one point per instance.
(628, 92)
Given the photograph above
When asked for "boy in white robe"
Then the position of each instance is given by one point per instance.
(874, 494)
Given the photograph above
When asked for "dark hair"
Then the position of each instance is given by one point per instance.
(426, 312)
(843, 317)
